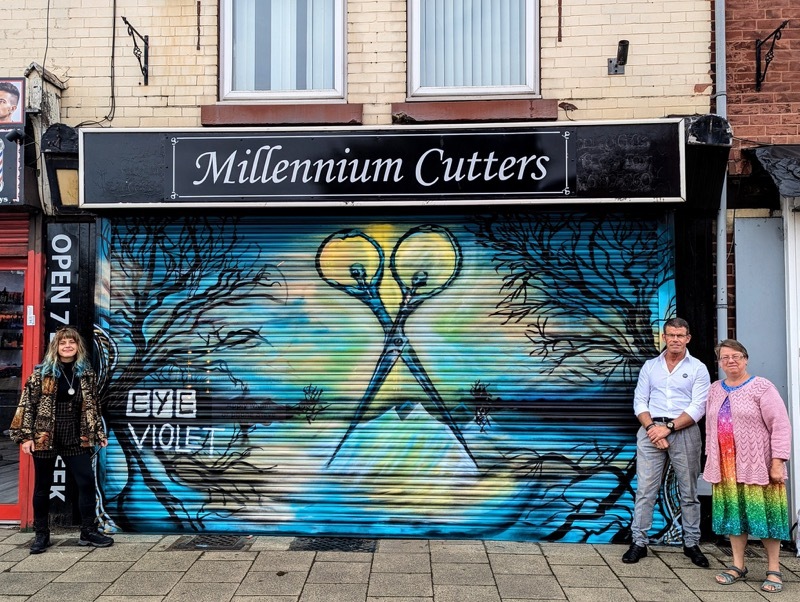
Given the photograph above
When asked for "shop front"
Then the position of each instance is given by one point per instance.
(20, 290)
(416, 332)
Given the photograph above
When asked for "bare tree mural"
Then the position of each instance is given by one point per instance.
(175, 298)
(584, 289)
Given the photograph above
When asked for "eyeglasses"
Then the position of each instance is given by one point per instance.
(736, 357)
(676, 336)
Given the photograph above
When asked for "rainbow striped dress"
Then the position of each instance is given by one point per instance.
(761, 511)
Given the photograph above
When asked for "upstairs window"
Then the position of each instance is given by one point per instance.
(282, 49)
(473, 48)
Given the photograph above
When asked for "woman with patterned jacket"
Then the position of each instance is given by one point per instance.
(748, 440)
(59, 415)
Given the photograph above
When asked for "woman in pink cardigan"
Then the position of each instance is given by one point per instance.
(748, 439)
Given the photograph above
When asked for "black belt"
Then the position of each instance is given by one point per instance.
(662, 419)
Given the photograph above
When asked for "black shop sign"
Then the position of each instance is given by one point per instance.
(382, 166)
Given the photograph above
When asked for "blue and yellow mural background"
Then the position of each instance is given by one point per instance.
(245, 388)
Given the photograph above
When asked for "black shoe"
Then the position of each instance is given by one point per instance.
(90, 537)
(634, 554)
(41, 543)
(696, 556)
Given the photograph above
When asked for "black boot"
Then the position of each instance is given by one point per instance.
(42, 541)
(90, 536)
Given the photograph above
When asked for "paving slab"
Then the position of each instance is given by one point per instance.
(400, 599)
(192, 591)
(349, 592)
(15, 554)
(513, 547)
(446, 573)
(271, 543)
(339, 572)
(229, 555)
(403, 546)
(129, 599)
(465, 554)
(166, 561)
(18, 539)
(24, 584)
(54, 559)
(141, 538)
(68, 592)
(586, 576)
(262, 599)
(597, 594)
(529, 587)
(395, 584)
(519, 564)
(129, 552)
(165, 542)
(283, 583)
(221, 571)
(465, 593)
(88, 572)
(718, 596)
(401, 563)
(566, 553)
(283, 561)
(701, 580)
(646, 567)
(658, 588)
(144, 583)
(332, 556)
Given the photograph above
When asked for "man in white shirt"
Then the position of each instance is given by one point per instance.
(669, 400)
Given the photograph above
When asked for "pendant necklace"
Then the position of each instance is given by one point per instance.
(71, 382)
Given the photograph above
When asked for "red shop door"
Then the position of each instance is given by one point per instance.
(20, 348)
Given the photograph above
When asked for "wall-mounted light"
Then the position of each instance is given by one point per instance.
(15, 136)
(616, 65)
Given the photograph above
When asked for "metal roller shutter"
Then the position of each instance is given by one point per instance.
(436, 375)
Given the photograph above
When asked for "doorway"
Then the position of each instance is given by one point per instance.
(11, 358)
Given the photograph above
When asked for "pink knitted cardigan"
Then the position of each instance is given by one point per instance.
(761, 430)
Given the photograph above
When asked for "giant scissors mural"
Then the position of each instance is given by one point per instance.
(248, 392)
(366, 288)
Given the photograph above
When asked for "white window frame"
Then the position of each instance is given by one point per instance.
(226, 63)
(532, 68)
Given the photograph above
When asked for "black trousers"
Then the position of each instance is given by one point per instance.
(80, 467)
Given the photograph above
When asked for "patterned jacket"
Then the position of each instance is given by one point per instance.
(35, 415)
(761, 431)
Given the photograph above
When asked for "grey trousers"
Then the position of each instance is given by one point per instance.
(685, 448)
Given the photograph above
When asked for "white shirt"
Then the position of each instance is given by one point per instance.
(668, 394)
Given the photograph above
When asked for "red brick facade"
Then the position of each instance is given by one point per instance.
(771, 115)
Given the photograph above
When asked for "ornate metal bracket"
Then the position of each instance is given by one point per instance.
(138, 52)
(775, 35)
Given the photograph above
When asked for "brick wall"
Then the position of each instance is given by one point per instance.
(771, 115)
(667, 72)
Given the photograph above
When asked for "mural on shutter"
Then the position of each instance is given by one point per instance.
(434, 376)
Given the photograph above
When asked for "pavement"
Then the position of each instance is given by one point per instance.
(222, 568)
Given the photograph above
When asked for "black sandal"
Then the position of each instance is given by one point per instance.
(728, 578)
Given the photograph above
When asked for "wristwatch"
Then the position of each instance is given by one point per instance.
(671, 426)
